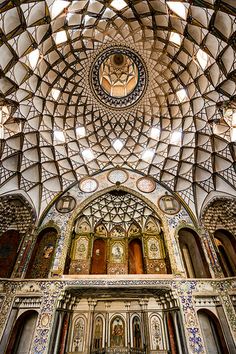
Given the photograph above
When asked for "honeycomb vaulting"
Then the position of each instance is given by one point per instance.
(54, 130)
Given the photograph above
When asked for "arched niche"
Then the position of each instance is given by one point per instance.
(79, 247)
(9, 245)
(82, 226)
(42, 256)
(134, 230)
(135, 257)
(212, 333)
(118, 217)
(156, 247)
(78, 337)
(226, 245)
(156, 332)
(152, 226)
(117, 332)
(192, 253)
(99, 257)
(22, 333)
(136, 333)
(98, 335)
(100, 230)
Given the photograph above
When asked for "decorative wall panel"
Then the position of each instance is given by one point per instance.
(42, 256)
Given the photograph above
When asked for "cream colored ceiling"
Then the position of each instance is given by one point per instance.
(118, 208)
(47, 49)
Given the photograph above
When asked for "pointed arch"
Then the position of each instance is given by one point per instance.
(191, 250)
(212, 332)
(42, 256)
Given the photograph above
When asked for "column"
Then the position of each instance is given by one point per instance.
(107, 306)
(210, 251)
(58, 328)
(8, 329)
(145, 325)
(127, 306)
(92, 303)
(43, 332)
(194, 339)
(64, 332)
(229, 311)
(6, 307)
(229, 337)
(178, 340)
(167, 341)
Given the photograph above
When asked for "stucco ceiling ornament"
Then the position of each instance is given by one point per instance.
(59, 131)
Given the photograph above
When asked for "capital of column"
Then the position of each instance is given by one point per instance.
(143, 303)
(92, 303)
(107, 305)
(127, 305)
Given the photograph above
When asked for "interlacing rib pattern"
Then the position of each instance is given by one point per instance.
(47, 49)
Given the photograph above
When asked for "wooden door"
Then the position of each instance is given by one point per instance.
(136, 265)
(99, 259)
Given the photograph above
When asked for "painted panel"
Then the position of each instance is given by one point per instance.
(156, 333)
(117, 332)
(78, 335)
(154, 250)
(137, 337)
(98, 333)
(81, 248)
(117, 252)
(42, 256)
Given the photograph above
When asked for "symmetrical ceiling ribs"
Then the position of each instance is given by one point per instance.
(53, 129)
(118, 208)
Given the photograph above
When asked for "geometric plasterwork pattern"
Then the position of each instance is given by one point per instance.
(16, 214)
(117, 208)
(47, 49)
(220, 214)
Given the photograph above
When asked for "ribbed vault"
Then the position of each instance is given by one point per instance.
(54, 130)
(118, 208)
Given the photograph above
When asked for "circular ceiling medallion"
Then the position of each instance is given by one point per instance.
(146, 184)
(168, 204)
(118, 77)
(88, 185)
(117, 176)
(65, 204)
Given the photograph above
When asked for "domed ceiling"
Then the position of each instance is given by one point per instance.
(145, 85)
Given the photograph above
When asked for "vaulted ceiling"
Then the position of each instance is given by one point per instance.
(118, 208)
(54, 129)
